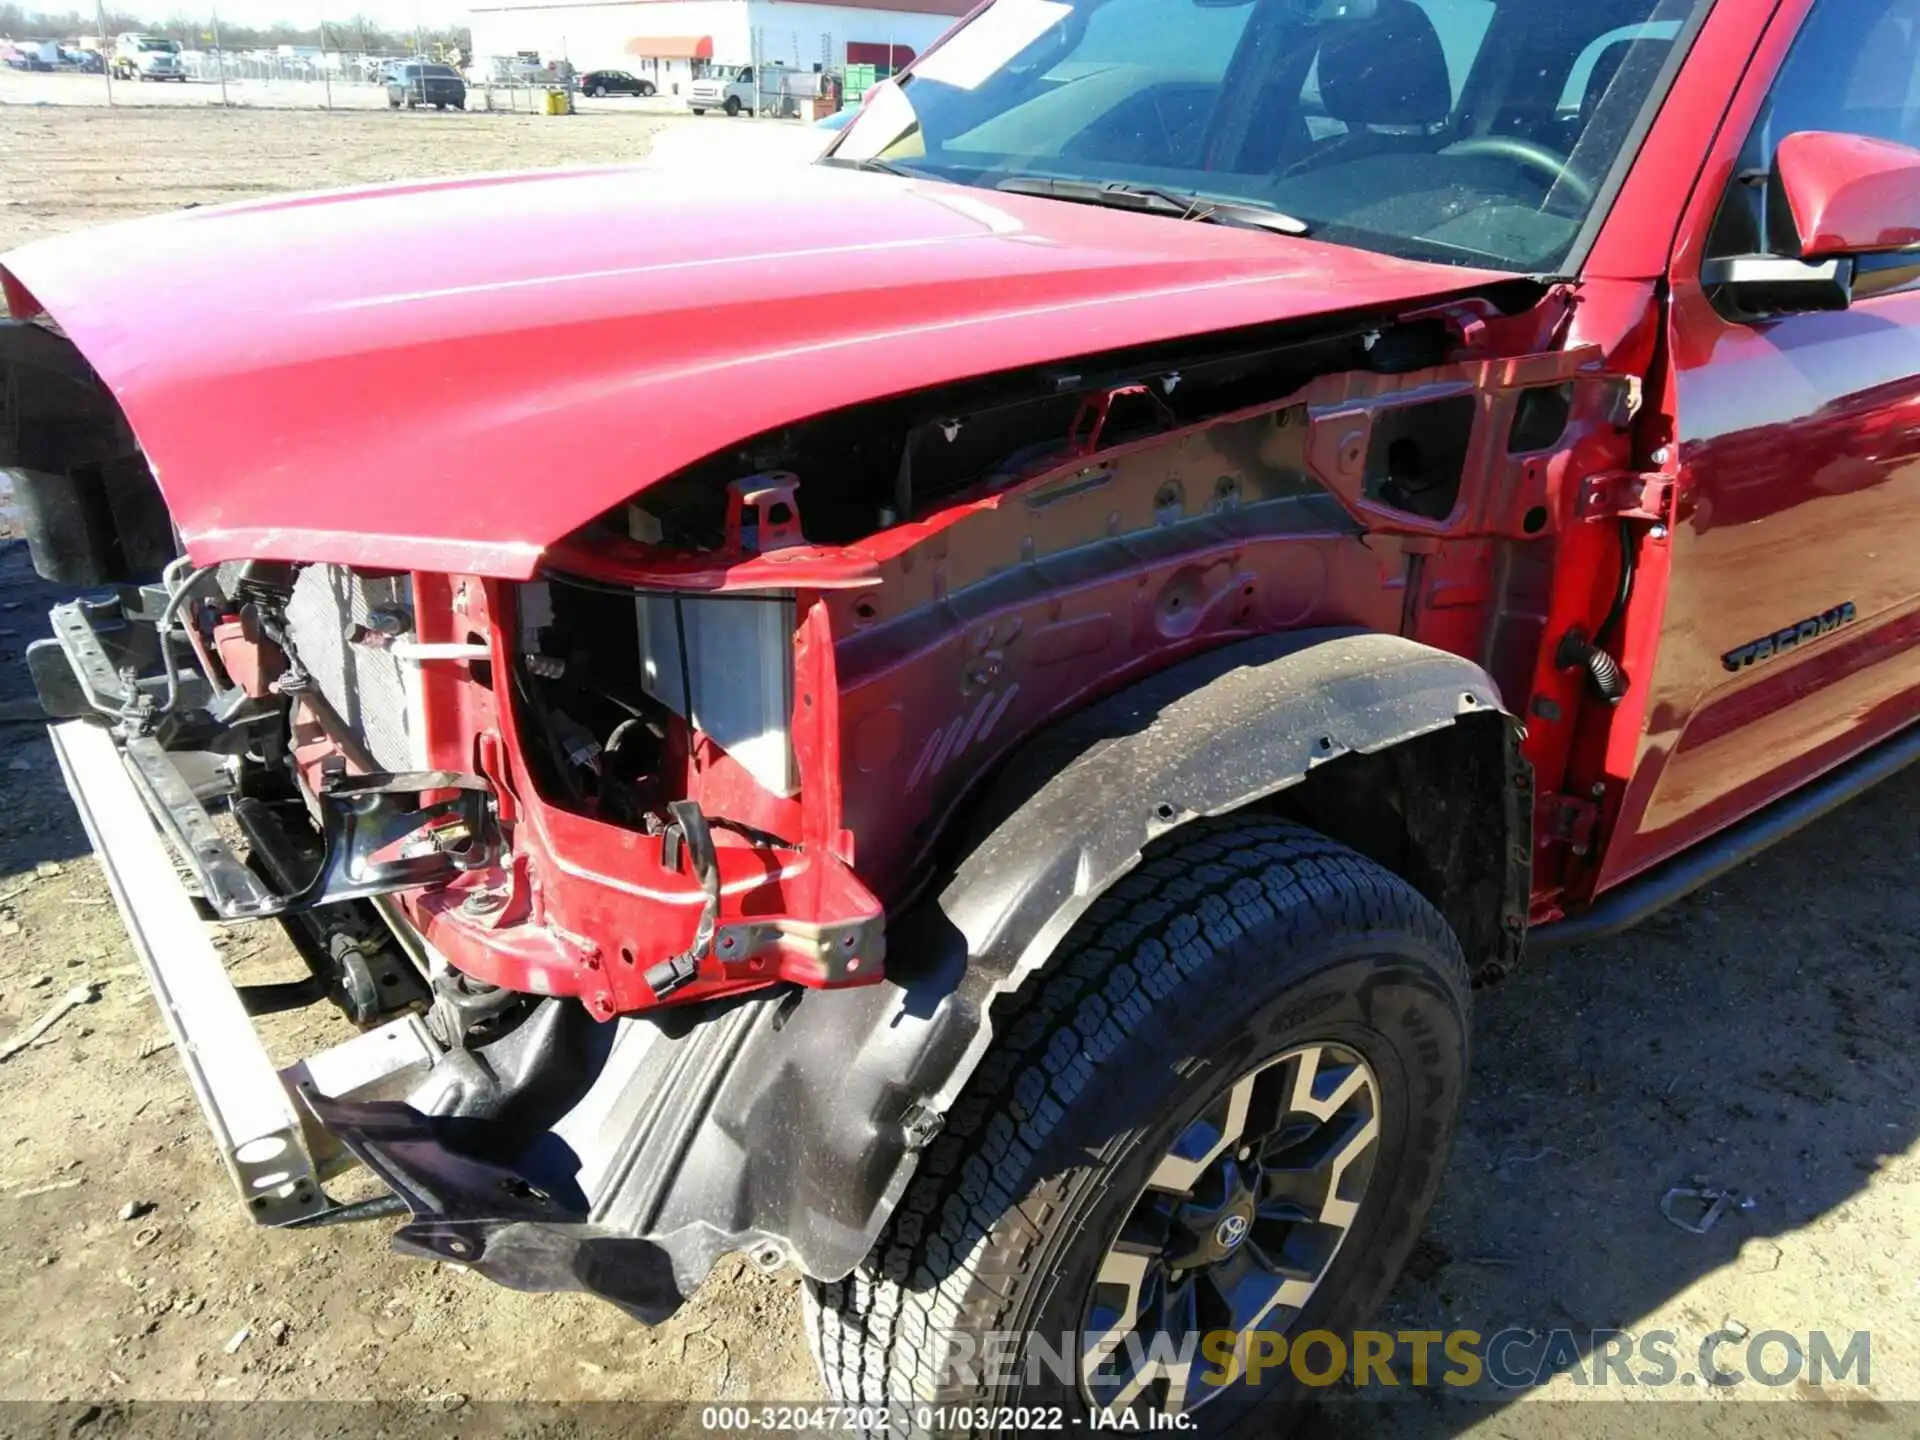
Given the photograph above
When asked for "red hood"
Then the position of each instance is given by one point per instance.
(454, 375)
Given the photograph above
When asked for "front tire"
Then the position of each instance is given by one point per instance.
(1188, 1002)
(733, 106)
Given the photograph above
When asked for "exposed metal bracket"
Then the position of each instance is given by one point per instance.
(1627, 495)
(360, 816)
(763, 513)
(1566, 820)
(1090, 421)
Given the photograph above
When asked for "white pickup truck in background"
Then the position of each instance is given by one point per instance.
(147, 57)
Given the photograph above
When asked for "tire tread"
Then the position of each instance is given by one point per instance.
(958, 1247)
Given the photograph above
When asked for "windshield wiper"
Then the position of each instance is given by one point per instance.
(874, 163)
(1153, 200)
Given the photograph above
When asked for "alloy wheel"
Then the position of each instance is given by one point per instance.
(1236, 1228)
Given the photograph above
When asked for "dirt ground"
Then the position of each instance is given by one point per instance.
(1759, 1036)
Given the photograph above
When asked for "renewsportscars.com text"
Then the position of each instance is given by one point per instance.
(1512, 1359)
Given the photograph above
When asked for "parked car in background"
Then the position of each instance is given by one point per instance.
(614, 82)
(40, 55)
(147, 57)
(416, 83)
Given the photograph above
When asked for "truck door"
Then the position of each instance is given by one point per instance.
(1792, 631)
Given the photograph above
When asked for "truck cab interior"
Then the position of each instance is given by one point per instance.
(1478, 131)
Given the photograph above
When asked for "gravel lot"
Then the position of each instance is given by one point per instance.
(1759, 1036)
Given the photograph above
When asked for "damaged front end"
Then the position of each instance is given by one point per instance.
(577, 841)
(492, 817)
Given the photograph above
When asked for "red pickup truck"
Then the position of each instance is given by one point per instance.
(976, 743)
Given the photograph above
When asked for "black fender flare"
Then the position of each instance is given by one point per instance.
(1077, 808)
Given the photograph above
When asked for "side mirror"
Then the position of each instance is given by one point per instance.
(1836, 197)
(1847, 194)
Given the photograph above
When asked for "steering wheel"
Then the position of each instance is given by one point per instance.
(1556, 167)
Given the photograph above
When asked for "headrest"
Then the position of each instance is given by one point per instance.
(1390, 70)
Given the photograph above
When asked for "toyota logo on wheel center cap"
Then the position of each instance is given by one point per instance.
(1231, 1231)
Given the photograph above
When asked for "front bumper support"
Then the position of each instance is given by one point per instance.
(275, 1155)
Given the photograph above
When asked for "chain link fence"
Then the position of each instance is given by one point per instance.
(167, 72)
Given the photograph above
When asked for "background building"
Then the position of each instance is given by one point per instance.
(665, 40)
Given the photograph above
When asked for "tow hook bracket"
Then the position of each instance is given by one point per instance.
(1627, 495)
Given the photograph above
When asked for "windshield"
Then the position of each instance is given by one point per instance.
(165, 47)
(1469, 131)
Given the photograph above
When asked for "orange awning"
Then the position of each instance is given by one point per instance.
(671, 47)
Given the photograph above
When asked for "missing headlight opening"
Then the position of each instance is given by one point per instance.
(611, 681)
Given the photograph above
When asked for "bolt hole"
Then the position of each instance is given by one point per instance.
(1325, 742)
(807, 700)
(1469, 700)
(779, 513)
(1163, 810)
(458, 1247)
(865, 609)
(626, 955)
(1535, 520)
